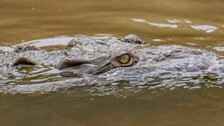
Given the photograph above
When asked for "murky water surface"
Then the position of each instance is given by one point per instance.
(158, 22)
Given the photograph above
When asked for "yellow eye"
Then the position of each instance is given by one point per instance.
(124, 59)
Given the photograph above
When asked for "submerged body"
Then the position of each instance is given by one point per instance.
(160, 66)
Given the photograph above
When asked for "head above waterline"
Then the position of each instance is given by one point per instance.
(99, 65)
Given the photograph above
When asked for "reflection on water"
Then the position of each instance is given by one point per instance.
(206, 28)
(160, 25)
(158, 22)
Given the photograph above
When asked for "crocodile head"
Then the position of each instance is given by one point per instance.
(68, 66)
(98, 55)
(99, 64)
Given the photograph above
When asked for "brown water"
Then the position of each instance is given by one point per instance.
(183, 22)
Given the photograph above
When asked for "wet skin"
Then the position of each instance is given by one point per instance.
(100, 54)
(97, 65)
(100, 64)
(112, 59)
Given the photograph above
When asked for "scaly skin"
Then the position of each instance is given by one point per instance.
(91, 49)
(158, 66)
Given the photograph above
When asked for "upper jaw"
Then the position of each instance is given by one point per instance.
(97, 65)
(107, 66)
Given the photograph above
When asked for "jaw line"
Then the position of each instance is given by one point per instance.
(104, 68)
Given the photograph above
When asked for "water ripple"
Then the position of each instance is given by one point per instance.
(175, 23)
(160, 25)
(206, 28)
